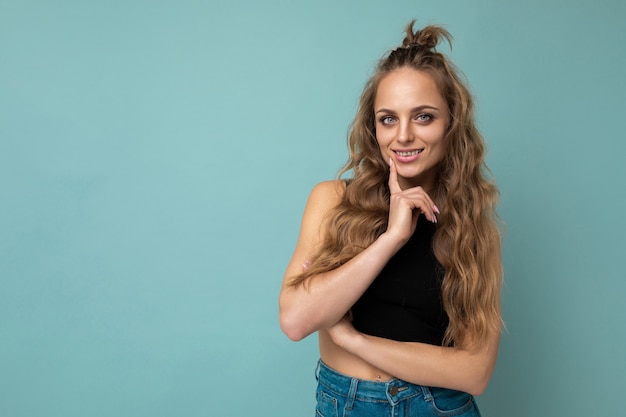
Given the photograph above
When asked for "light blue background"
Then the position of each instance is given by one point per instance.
(155, 158)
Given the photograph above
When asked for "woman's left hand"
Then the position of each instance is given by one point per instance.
(342, 331)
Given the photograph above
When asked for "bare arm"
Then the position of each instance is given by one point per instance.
(328, 296)
(467, 368)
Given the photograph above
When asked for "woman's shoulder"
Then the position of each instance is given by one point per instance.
(326, 195)
(330, 189)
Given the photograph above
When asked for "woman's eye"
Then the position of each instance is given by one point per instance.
(424, 117)
(386, 120)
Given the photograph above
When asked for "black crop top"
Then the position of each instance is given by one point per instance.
(404, 301)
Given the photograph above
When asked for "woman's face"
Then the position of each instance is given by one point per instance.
(411, 122)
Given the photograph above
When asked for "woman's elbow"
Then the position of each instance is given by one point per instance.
(481, 363)
(291, 328)
(478, 387)
(479, 383)
(294, 323)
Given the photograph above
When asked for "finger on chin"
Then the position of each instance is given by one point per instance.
(394, 186)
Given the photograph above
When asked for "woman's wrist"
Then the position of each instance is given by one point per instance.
(390, 240)
(353, 342)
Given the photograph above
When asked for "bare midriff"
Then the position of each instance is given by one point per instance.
(346, 363)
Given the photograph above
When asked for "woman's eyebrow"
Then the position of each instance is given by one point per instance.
(416, 109)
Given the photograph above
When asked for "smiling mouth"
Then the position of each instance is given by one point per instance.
(409, 153)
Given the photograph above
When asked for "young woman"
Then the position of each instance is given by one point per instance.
(398, 268)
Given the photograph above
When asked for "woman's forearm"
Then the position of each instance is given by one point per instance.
(326, 297)
(462, 369)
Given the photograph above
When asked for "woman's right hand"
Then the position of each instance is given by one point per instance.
(405, 207)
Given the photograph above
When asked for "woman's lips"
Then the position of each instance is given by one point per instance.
(406, 156)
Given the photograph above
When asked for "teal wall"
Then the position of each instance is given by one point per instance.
(155, 158)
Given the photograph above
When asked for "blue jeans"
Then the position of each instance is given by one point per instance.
(340, 395)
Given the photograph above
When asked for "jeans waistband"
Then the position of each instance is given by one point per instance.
(392, 390)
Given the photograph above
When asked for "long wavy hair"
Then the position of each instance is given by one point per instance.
(467, 239)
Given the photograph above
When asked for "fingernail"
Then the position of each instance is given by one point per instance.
(436, 209)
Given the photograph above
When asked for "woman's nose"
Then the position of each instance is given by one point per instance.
(405, 133)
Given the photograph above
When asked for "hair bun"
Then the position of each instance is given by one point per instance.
(428, 37)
